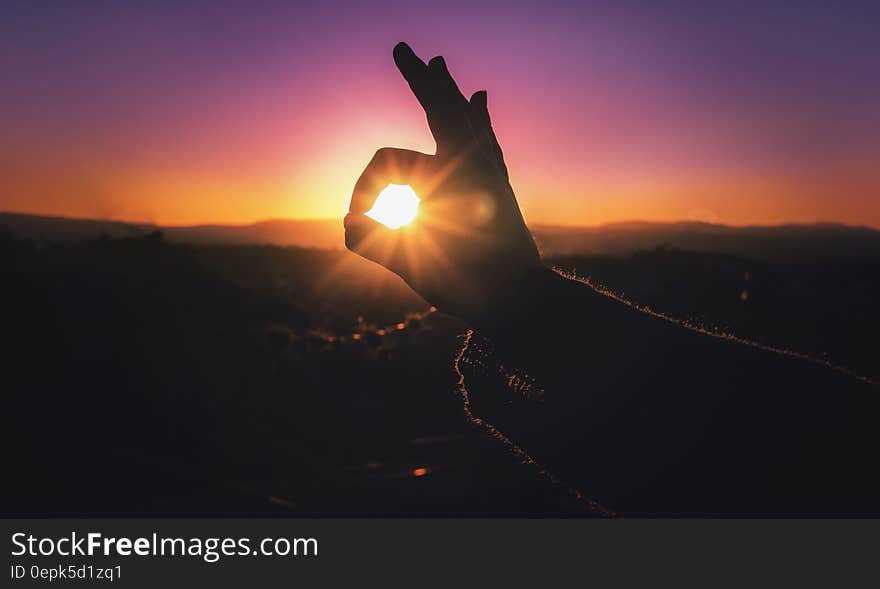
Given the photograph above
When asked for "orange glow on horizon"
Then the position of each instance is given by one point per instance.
(181, 193)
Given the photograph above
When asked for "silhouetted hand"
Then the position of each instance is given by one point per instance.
(646, 415)
(469, 238)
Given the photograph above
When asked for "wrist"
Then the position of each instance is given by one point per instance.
(521, 296)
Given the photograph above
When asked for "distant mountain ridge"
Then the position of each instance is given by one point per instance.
(821, 241)
(318, 233)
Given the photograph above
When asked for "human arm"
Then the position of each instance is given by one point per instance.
(641, 412)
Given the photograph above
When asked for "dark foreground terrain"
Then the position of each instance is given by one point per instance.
(148, 378)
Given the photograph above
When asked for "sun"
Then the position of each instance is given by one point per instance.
(397, 205)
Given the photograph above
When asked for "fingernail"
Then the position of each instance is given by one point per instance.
(407, 61)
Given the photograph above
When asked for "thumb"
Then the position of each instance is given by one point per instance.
(374, 241)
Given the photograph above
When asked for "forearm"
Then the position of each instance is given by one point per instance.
(638, 409)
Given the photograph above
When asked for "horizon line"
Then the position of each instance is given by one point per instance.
(634, 221)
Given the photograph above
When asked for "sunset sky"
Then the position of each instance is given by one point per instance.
(233, 112)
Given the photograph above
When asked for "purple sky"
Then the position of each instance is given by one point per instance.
(185, 112)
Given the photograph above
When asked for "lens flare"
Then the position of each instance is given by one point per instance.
(397, 205)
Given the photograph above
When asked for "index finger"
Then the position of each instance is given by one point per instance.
(389, 165)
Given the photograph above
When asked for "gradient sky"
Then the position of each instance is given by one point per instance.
(191, 112)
